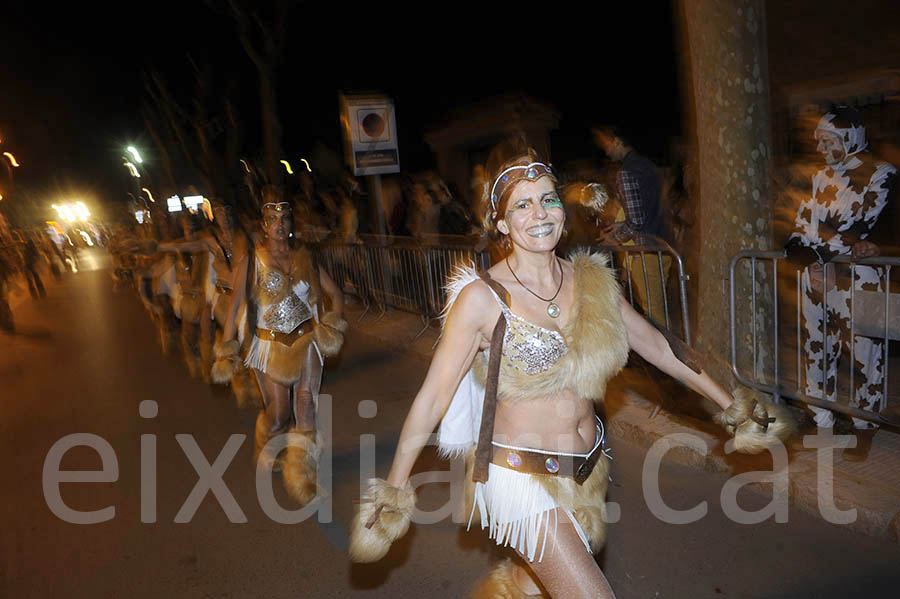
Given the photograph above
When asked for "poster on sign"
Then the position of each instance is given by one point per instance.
(370, 134)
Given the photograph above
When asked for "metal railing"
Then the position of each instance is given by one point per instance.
(400, 272)
(872, 314)
(410, 274)
(655, 248)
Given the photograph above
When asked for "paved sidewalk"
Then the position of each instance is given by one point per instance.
(872, 487)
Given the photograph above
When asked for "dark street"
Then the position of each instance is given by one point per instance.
(88, 358)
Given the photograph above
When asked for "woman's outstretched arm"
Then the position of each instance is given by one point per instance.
(651, 345)
(470, 320)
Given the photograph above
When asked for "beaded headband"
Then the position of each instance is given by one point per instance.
(276, 206)
(508, 178)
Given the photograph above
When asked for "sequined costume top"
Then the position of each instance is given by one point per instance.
(529, 347)
(590, 349)
(283, 298)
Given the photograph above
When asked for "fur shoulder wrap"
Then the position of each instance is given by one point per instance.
(595, 336)
(597, 349)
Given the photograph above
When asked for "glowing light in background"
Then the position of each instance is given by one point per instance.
(12, 159)
(133, 169)
(193, 202)
(139, 216)
(137, 157)
(87, 238)
(73, 212)
(147, 191)
(174, 204)
(303, 160)
(81, 211)
(246, 168)
(206, 209)
(287, 166)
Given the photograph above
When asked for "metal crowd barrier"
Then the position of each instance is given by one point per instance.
(656, 248)
(872, 314)
(410, 274)
(400, 272)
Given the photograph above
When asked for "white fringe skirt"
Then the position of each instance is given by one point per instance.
(519, 511)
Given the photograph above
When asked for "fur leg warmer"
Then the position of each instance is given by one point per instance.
(500, 583)
(206, 359)
(262, 435)
(168, 327)
(301, 464)
(246, 389)
(382, 517)
(228, 361)
(754, 422)
(330, 333)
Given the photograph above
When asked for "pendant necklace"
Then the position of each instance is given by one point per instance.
(553, 308)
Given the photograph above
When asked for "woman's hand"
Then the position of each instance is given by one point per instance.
(754, 422)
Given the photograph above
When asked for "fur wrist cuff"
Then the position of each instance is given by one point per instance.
(382, 518)
(330, 333)
(223, 369)
(334, 320)
(754, 422)
(226, 349)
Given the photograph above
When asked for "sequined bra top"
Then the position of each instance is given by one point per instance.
(283, 302)
(527, 346)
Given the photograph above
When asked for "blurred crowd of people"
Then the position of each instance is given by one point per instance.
(27, 258)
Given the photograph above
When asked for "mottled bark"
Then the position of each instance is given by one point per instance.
(725, 80)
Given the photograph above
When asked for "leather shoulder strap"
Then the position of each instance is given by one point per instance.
(484, 450)
(499, 289)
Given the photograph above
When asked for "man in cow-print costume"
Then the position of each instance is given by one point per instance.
(848, 194)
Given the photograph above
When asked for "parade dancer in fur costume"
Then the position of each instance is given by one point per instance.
(220, 246)
(191, 271)
(558, 330)
(158, 287)
(284, 289)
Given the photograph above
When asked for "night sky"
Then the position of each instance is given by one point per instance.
(72, 89)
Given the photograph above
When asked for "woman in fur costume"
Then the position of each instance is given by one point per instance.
(284, 289)
(219, 246)
(562, 329)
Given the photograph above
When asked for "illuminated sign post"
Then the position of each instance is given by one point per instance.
(370, 134)
(369, 126)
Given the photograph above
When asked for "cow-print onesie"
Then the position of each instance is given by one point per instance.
(843, 208)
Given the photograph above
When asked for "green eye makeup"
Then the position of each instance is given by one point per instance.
(552, 203)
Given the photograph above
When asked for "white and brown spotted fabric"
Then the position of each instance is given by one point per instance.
(847, 198)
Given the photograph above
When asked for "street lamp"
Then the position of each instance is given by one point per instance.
(12, 159)
(11, 163)
(133, 151)
(132, 169)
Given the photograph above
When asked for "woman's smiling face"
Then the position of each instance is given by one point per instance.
(534, 216)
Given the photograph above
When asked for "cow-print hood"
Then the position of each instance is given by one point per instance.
(846, 122)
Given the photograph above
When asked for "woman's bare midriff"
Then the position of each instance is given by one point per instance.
(563, 422)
